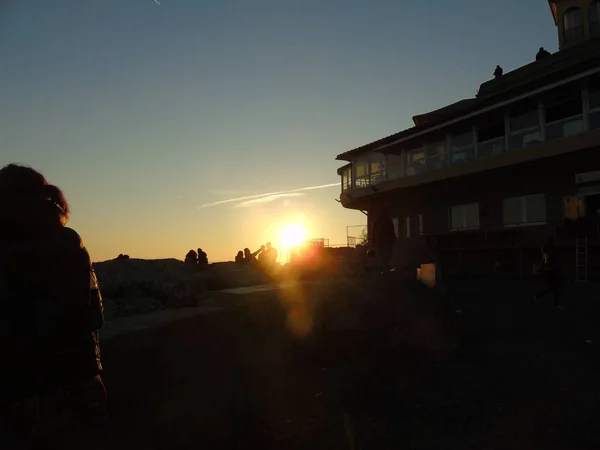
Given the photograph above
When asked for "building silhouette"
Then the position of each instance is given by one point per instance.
(489, 178)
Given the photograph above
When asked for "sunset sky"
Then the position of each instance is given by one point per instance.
(149, 113)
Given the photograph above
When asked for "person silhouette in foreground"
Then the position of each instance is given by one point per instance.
(51, 390)
(239, 258)
(551, 279)
(383, 238)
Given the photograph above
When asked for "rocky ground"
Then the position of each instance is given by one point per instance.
(364, 365)
(138, 286)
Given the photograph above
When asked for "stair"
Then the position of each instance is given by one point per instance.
(581, 259)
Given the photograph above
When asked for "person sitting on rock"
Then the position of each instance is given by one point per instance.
(262, 257)
(202, 259)
(239, 258)
(271, 255)
(249, 257)
(191, 259)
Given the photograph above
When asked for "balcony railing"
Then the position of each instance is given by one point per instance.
(417, 162)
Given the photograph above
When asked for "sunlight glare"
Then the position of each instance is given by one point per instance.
(292, 235)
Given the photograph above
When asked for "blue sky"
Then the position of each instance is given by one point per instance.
(143, 112)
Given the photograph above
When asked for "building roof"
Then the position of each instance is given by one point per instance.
(443, 113)
(552, 5)
(534, 75)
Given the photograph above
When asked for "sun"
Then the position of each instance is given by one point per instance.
(292, 235)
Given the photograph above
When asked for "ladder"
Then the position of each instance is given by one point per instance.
(581, 259)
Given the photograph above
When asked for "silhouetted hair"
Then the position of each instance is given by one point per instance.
(21, 185)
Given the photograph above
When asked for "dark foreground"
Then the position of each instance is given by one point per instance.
(413, 375)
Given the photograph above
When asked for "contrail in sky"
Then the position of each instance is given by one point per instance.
(267, 199)
(267, 194)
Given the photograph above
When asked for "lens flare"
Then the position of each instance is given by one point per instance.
(292, 235)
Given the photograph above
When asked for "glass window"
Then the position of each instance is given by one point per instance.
(394, 167)
(491, 126)
(415, 162)
(378, 169)
(420, 224)
(395, 222)
(563, 103)
(595, 18)
(564, 112)
(525, 210)
(524, 116)
(524, 139)
(436, 155)
(594, 120)
(362, 174)
(464, 217)
(461, 147)
(490, 135)
(594, 93)
(524, 125)
(573, 25)
(347, 178)
(407, 226)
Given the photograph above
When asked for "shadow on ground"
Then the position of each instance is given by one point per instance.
(384, 366)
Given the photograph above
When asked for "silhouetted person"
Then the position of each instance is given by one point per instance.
(191, 259)
(541, 54)
(249, 257)
(271, 255)
(239, 258)
(383, 238)
(498, 72)
(202, 259)
(50, 316)
(549, 273)
(262, 256)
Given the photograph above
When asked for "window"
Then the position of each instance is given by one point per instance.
(573, 25)
(525, 210)
(394, 167)
(377, 174)
(490, 135)
(415, 162)
(420, 224)
(564, 112)
(396, 226)
(594, 102)
(362, 173)
(436, 154)
(524, 125)
(407, 226)
(595, 18)
(464, 217)
(346, 178)
(461, 147)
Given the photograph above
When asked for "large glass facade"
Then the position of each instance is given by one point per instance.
(565, 111)
(524, 127)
